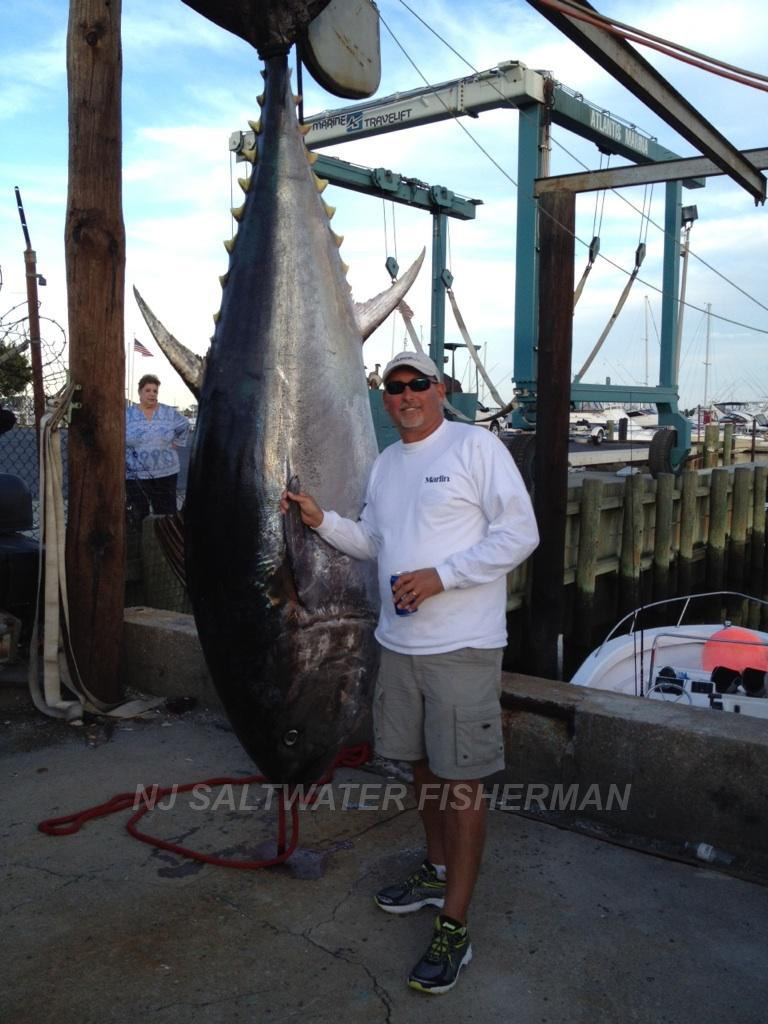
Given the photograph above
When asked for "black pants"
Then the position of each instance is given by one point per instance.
(160, 493)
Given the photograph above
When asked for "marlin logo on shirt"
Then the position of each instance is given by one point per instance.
(437, 479)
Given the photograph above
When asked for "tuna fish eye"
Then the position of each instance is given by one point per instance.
(290, 737)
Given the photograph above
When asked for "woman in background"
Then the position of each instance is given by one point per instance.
(153, 432)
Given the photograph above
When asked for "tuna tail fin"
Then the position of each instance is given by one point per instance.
(369, 315)
(189, 366)
(270, 25)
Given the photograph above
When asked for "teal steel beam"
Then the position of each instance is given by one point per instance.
(386, 184)
(641, 393)
(526, 256)
(608, 132)
(670, 285)
(635, 73)
(441, 279)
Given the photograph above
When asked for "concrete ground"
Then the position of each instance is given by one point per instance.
(99, 928)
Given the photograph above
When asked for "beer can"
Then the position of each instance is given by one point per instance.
(392, 579)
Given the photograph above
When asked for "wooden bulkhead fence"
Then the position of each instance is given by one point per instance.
(634, 540)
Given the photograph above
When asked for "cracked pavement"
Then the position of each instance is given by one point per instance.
(99, 928)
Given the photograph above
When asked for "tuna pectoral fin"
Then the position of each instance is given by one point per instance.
(189, 366)
(376, 310)
(299, 543)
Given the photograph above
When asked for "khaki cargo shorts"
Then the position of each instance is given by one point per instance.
(443, 708)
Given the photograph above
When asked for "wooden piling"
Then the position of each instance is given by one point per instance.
(711, 445)
(557, 217)
(727, 444)
(737, 545)
(586, 568)
(688, 500)
(718, 520)
(631, 543)
(737, 549)
(662, 545)
(757, 586)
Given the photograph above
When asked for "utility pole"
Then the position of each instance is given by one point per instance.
(94, 245)
(33, 314)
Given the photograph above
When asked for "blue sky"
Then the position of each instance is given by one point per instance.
(187, 84)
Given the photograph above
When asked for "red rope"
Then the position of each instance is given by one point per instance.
(68, 824)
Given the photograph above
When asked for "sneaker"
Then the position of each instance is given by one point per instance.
(421, 889)
(449, 951)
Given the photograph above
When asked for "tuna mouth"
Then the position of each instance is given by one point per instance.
(320, 620)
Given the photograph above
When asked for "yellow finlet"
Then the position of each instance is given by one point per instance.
(229, 244)
(244, 183)
(320, 183)
(330, 210)
(256, 126)
(311, 157)
(344, 267)
(305, 129)
(223, 278)
(338, 239)
(297, 99)
(251, 155)
(217, 317)
(237, 212)
(260, 100)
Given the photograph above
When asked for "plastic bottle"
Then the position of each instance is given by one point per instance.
(709, 854)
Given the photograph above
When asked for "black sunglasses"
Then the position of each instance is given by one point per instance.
(397, 387)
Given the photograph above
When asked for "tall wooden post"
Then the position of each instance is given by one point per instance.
(556, 228)
(586, 567)
(33, 315)
(94, 240)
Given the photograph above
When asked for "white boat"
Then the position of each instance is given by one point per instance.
(715, 666)
(641, 424)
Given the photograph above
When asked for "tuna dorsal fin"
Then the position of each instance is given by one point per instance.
(376, 310)
(189, 366)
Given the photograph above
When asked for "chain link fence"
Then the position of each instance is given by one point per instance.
(150, 579)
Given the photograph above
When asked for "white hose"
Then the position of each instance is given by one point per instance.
(52, 587)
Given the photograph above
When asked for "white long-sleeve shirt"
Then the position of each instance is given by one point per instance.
(454, 502)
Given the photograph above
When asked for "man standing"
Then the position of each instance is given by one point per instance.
(449, 499)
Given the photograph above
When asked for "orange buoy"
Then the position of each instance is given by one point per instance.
(736, 648)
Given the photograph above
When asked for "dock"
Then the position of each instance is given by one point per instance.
(102, 929)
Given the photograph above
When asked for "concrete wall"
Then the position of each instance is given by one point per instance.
(695, 776)
(162, 656)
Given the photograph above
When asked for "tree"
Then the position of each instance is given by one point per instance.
(15, 372)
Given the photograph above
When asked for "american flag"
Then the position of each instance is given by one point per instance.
(138, 347)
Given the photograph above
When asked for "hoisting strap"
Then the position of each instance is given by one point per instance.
(407, 314)
(594, 249)
(472, 350)
(639, 256)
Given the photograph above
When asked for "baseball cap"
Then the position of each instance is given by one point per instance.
(415, 360)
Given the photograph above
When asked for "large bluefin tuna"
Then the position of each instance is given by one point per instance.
(285, 621)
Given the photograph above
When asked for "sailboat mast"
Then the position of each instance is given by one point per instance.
(706, 358)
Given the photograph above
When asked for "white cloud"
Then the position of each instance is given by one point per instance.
(187, 84)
